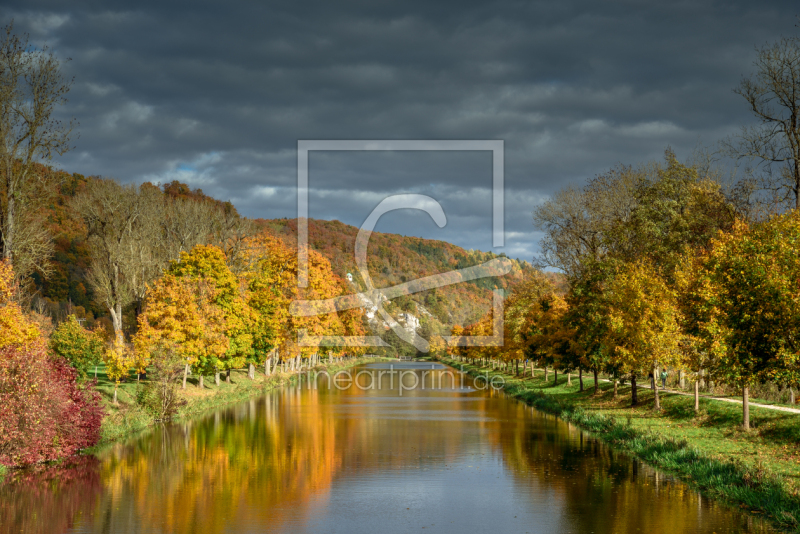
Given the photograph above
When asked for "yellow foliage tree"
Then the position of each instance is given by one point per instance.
(206, 263)
(644, 321)
(272, 284)
(119, 360)
(15, 328)
(180, 317)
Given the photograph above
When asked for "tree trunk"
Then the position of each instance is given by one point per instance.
(596, 385)
(746, 408)
(682, 379)
(200, 382)
(516, 364)
(697, 395)
(185, 374)
(616, 387)
(216, 378)
(791, 394)
(115, 394)
(569, 378)
(657, 400)
(8, 234)
(634, 391)
(268, 366)
(251, 371)
(116, 308)
(580, 377)
(228, 376)
(555, 376)
(545, 373)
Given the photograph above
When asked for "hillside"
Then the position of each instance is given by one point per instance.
(393, 259)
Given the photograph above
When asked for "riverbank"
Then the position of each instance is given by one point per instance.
(757, 470)
(128, 418)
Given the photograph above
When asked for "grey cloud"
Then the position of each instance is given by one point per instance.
(217, 95)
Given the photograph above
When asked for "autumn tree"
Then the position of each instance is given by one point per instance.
(119, 360)
(588, 318)
(82, 348)
(15, 328)
(644, 321)
(746, 304)
(675, 207)
(207, 263)
(519, 309)
(45, 413)
(32, 87)
(179, 317)
(551, 338)
(272, 285)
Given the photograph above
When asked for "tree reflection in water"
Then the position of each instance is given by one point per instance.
(305, 460)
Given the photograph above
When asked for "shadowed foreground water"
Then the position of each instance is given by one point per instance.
(375, 459)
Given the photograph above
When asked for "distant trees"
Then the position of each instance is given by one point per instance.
(32, 86)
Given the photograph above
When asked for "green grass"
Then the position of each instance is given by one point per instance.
(758, 470)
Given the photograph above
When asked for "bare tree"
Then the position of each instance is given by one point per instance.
(230, 234)
(121, 235)
(773, 94)
(576, 222)
(147, 248)
(186, 223)
(31, 87)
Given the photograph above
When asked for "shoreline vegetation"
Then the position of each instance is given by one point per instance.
(128, 418)
(755, 470)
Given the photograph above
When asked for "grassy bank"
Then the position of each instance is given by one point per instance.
(127, 417)
(757, 470)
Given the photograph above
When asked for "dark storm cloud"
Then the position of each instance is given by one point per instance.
(217, 95)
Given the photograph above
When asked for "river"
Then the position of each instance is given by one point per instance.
(407, 449)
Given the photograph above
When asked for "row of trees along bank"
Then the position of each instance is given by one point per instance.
(663, 273)
(671, 266)
(189, 285)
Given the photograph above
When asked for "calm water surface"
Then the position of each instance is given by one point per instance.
(361, 459)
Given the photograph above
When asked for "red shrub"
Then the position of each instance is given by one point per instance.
(44, 413)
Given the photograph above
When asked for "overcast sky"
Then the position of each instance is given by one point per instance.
(217, 95)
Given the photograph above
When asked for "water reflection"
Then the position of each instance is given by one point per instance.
(316, 458)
